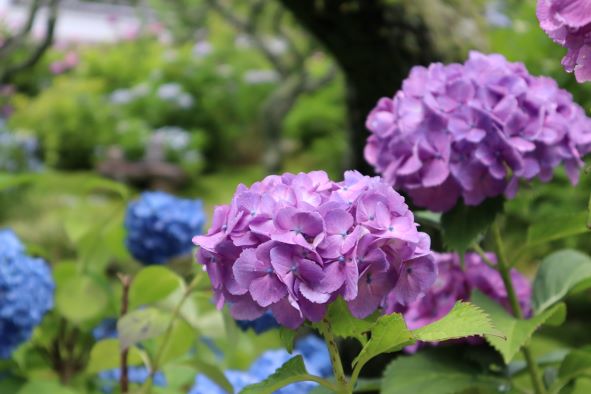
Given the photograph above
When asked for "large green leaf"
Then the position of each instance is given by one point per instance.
(389, 334)
(141, 325)
(287, 338)
(436, 371)
(344, 325)
(181, 340)
(463, 320)
(105, 355)
(81, 298)
(464, 224)
(558, 274)
(293, 370)
(551, 229)
(517, 332)
(152, 284)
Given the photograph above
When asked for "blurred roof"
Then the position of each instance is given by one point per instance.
(80, 21)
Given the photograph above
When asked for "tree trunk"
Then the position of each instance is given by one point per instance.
(375, 44)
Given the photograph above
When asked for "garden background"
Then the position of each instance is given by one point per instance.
(100, 101)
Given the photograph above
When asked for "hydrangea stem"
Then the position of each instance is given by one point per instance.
(335, 357)
(503, 266)
(124, 380)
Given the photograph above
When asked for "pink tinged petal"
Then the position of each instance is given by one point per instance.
(245, 309)
(416, 276)
(522, 144)
(249, 201)
(512, 188)
(382, 215)
(574, 13)
(338, 221)
(410, 166)
(435, 173)
(583, 66)
(267, 290)
(282, 259)
(312, 295)
(286, 314)
(209, 242)
(334, 277)
(312, 311)
(309, 272)
(248, 268)
(309, 223)
(475, 135)
(285, 218)
(331, 246)
(371, 292)
(351, 281)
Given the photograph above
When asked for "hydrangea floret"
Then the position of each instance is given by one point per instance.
(568, 23)
(294, 243)
(26, 289)
(455, 283)
(472, 131)
(160, 226)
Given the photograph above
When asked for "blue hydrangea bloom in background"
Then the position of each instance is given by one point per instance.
(160, 226)
(262, 324)
(105, 329)
(109, 380)
(26, 286)
(312, 349)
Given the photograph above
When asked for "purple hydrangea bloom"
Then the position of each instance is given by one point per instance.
(454, 283)
(473, 130)
(160, 226)
(292, 244)
(568, 22)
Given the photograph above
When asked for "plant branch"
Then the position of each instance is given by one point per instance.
(335, 357)
(504, 270)
(38, 52)
(14, 41)
(124, 378)
(312, 86)
(250, 29)
(483, 256)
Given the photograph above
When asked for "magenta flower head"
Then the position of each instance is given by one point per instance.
(292, 244)
(568, 22)
(473, 130)
(454, 283)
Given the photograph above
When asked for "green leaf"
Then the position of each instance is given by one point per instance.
(152, 284)
(562, 227)
(180, 341)
(389, 334)
(558, 274)
(81, 298)
(436, 371)
(141, 325)
(576, 364)
(293, 370)
(463, 320)
(463, 225)
(41, 386)
(105, 355)
(344, 325)
(8, 181)
(517, 332)
(213, 373)
(287, 338)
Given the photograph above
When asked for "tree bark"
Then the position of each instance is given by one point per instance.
(376, 44)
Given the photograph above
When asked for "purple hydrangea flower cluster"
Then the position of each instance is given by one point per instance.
(568, 22)
(473, 130)
(293, 243)
(454, 283)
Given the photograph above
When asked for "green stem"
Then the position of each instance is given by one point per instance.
(335, 357)
(483, 256)
(503, 266)
(167, 334)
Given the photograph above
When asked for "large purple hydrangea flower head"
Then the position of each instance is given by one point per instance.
(455, 283)
(568, 22)
(292, 244)
(473, 130)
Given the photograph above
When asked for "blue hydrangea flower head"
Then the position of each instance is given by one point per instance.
(260, 325)
(109, 379)
(26, 286)
(161, 226)
(107, 328)
(312, 349)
